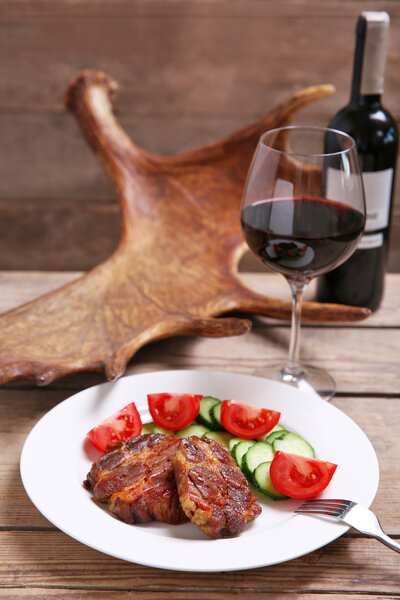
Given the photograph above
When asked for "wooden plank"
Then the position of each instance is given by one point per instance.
(200, 94)
(91, 594)
(18, 287)
(201, 55)
(57, 236)
(57, 166)
(207, 34)
(218, 8)
(349, 564)
(275, 285)
(363, 359)
(68, 235)
(200, 71)
(185, 81)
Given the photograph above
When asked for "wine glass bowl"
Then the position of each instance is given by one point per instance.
(302, 214)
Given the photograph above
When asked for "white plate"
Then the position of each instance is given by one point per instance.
(55, 461)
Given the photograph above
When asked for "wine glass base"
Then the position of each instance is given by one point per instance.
(311, 380)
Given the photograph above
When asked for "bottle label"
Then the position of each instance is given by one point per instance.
(368, 242)
(377, 187)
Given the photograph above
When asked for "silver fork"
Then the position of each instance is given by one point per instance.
(351, 513)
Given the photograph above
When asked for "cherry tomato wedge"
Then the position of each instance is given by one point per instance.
(174, 411)
(119, 427)
(246, 421)
(299, 476)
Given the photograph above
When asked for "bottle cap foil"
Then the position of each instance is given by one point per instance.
(375, 49)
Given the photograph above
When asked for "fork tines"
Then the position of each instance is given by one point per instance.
(327, 501)
(331, 506)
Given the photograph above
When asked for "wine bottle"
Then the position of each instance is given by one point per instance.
(360, 280)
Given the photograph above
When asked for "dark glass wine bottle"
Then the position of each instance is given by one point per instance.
(360, 280)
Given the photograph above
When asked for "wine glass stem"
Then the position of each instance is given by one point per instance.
(293, 369)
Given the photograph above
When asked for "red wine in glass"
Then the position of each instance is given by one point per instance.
(301, 235)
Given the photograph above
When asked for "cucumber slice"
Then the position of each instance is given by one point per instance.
(223, 437)
(232, 443)
(215, 416)
(255, 455)
(193, 429)
(291, 442)
(206, 404)
(275, 435)
(157, 429)
(277, 427)
(263, 482)
(240, 450)
(148, 428)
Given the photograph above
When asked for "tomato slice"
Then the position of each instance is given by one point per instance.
(299, 476)
(246, 421)
(119, 427)
(174, 411)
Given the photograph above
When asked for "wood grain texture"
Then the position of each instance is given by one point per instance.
(38, 561)
(186, 82)
(19, 287)
(91, 594)
(359, 363)
(349, 564)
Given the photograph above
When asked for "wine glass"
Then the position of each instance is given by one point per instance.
(302, 214)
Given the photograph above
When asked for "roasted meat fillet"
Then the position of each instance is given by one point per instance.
(212, 490)
(137, 480)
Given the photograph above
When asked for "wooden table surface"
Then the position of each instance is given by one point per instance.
(39, 561)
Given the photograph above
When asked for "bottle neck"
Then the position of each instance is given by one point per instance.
(369, 59)
(370, 101)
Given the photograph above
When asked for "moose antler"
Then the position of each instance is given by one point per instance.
(175, 268)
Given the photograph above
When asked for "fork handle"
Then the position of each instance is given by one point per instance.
(385, 539)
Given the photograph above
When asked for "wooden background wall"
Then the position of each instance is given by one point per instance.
(190, 71)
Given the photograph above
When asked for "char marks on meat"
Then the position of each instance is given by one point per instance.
(213, 491)
(137, 480)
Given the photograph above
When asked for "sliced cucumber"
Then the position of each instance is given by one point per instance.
(157, 429)
(215, 416)
(240, 450)
(193, 429)
(277, 427)
(206, 404)
(232, 443)
(255, 455)
(291, 442)
(223, 437)
(263, 482)
(275, 435)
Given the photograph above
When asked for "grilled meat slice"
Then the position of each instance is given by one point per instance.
(137, 480)
(213, 491)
